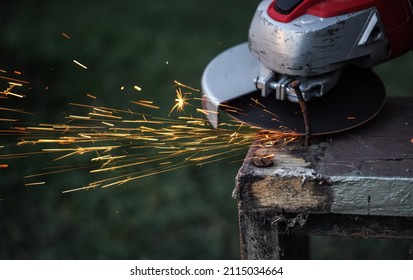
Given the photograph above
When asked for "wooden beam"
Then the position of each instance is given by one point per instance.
(366, 172)
(358, 226)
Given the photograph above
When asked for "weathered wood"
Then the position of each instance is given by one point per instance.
(348, 174)
(258, 236)
(367, 172)
(382, 147)
(300, 190)
(351, 226)
(262, 238)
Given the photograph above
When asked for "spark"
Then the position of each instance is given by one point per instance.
(74, 117)
(12, 89)
(40, 128)
(145, 103)
(14, 80)
(206, 112)
(104, 115)
(138, 88)
(34, 184)
(258, 103)
(8, 90)
(180, 101)
(80, 64)
(108, 124)
(8, 120)
(4, 165)
(272, 114)
(65, 35)
(186, 86)
(14, 110)
(126, 145)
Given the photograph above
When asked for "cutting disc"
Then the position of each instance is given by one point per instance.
(358, 97)
(228, 83)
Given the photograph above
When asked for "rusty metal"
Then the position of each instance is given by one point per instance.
(263, 158)
(295, 85)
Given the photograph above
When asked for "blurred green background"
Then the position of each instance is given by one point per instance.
(186, 214)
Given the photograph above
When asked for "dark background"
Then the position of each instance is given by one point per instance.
(186, 214)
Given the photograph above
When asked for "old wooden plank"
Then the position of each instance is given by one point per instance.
(261, 239)
(358, 184)
(382, 147)
(275, 235)
(385, 196)
(343, 174)
(309, 193)
(348, 226)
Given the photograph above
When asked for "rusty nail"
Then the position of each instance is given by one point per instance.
(263, 158)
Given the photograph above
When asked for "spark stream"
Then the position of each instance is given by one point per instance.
(152, 271)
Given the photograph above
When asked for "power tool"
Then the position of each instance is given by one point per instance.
(326, 47)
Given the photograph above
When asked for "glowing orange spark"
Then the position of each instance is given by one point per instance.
(117, 140)
(206, 112)
(186, 86)
(180, 101)
(107, 115)
(14, 110)
(78, 117)
(145, 103)
(14, 80)
(108, 124)
(8, 120)
(9, 92)
(80, 64)
(65, 35)
(137, 88)
(4, 165)
(35, 184)
(258, 103)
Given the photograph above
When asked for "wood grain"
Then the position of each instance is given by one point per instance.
(358, 184)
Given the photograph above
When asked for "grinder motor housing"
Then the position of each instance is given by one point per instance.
(315, 43)
(314, 39)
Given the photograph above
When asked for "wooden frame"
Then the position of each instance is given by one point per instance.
(358, 183)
